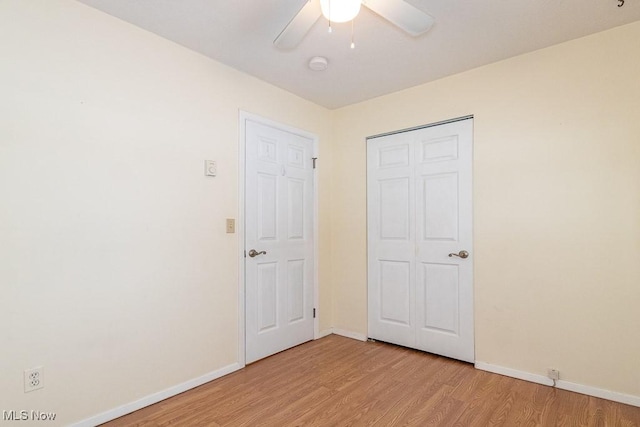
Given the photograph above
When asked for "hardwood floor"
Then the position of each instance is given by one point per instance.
(337, 381)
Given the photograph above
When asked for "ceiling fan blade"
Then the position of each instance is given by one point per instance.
(404, 15)
(296, 29)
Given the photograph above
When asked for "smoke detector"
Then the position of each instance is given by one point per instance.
(318, 63)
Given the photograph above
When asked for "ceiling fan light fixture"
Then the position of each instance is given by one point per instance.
(340, 10)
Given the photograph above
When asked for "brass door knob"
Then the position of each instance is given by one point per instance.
(461, 254)
(253, 253)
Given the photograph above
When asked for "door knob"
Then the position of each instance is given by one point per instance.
(253, 253)
(461, 254)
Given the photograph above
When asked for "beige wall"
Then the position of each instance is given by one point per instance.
(115, 269)
(556, 205)
(116, 272)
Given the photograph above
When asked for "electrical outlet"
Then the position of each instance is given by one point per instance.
(33, 379)
(553, 374)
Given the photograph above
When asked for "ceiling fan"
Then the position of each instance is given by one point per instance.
(404, 15)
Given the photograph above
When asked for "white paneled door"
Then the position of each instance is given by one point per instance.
(420, 258)
(278, 240)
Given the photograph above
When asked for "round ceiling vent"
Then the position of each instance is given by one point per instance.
(318, 63)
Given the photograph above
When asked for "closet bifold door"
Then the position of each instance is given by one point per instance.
(391, 239)
(420, 257)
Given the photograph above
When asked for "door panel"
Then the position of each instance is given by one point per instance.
(395, 204)
(279, 221)
(419, 211)
(296, 286)
(440, 289)
(439, 149)
(395, 291)
(391, 262)
(267, 296)
(440, 206)
(266, 215)
(445, 226)
(296, 211)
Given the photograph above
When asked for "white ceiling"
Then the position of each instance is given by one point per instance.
(467, 34)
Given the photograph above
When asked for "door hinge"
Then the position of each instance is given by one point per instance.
(314, 313)
(314, 161)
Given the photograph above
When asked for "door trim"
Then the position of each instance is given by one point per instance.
(243, 117)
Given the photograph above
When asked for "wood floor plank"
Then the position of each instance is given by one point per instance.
(336, 381)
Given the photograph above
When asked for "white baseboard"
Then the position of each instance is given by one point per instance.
(324, 333)
(513, 373)
(156, 397)
(349, 334)
(561, 384)
(181, 388)
(599, 392)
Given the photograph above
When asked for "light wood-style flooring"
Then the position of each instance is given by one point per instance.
(337, 381)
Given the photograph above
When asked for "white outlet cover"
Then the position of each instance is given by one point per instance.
(210, 168)
(33, 379)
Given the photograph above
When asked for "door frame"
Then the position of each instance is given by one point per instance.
(442, 122)
(243, 117)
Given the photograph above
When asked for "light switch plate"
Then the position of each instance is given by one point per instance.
(231, 225)
(210, 168)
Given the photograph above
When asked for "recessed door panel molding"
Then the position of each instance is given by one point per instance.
(393, 156)
(296, 208)
(295, 289)
(419, 210)
(395, 291)
(395, 205)
(439, 149)
(279, 227)
(268, 150)
(440, 206)
(296, 156)
(440, 284)
(268, 296)
(266, 218)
